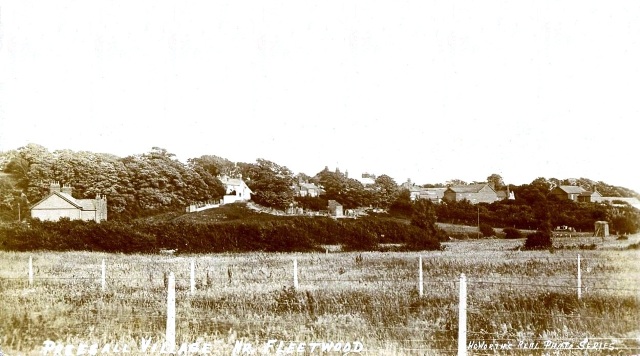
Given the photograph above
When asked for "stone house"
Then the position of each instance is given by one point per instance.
(474, 193)
(60, 203)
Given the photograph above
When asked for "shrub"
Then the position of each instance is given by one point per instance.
(539, 240)
(486, 230)
(512, 233)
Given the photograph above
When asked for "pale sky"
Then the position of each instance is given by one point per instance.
(427, 90)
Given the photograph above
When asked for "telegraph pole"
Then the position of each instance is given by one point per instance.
(478, 222)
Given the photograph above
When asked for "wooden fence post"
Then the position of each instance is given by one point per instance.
(295, 273)
(170, 333)
(193, 277)
(579, 279)
(104, 276)
(462, 317)
(420, 279)
(30, 271)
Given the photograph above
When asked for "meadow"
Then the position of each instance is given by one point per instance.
(523, 301)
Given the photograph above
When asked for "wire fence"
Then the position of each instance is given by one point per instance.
(141, 293)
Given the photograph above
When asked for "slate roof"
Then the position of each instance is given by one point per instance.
(82, 204)
(572, 189)
(471, 188)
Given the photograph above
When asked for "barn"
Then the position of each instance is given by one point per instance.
(474, 193)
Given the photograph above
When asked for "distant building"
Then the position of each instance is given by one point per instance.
(236, 190)
(567, 192)
(576, 193)
(60, 203)
(367, 179)
(335, 209)
(308, 190)
(590, 197)
(435, 195)
(474, 193)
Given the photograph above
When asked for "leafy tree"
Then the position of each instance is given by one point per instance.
(456, 182)
(385, 191)
(215, 165)
(424, 217)
(496, 180)
(272, 184)
(402, 205)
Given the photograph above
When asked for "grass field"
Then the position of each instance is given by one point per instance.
(517, 298)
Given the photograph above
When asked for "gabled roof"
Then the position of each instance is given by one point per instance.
(471, 188)
(66, 197)
(571, 189)
(433, 192)
(82, 204)
(333, 203)
(589, 194)
(233, 181)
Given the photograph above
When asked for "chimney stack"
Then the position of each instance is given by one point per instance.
(54, 187)
(66, 188)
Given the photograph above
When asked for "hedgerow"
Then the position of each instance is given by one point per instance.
(276, 235)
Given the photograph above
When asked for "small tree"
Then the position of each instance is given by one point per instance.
(424, 217)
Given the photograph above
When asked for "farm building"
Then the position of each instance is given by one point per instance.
(474, 193)
(61, 204)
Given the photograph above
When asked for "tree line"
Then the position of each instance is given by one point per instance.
(154, 182)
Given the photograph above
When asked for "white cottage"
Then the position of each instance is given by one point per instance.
(236, 190)
(61, 204)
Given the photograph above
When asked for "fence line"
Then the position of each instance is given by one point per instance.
(463, 309)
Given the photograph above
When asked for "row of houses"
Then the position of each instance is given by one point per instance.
(60, 203)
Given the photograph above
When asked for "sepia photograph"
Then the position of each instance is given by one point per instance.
(303, 177)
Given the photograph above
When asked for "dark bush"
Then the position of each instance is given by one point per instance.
(512, 233)
(539, 240)
(486, 230)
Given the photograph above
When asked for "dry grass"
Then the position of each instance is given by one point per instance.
(369, 297)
